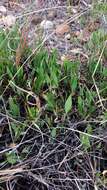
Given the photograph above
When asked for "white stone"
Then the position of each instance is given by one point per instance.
(74, 11)
(68, 37)
(9, 20)
(3, 10)
(46, 24)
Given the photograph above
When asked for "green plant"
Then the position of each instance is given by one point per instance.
(46, 94)
(14, 107)
(86, 138)
(68, 104)
(11, 157)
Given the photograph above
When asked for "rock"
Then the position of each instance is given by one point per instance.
(74, 11)
(36, 20)
(52, 14)
(62, 29)
(77, 33)
(3, 10)
(47, 24)
(68, 36)
(9, 20)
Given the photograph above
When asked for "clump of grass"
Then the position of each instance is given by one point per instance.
(44, 93)
(43, 84)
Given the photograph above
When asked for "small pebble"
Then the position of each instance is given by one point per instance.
(62, 29)
(74, 11)
(9, 20)
(3, 10)
(52, 14)
(46, 24)
(36, 20)
(68, 37)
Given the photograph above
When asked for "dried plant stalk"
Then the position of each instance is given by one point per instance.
(22, 46)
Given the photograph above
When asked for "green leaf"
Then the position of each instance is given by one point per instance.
(74, 83)
(53, 132)
(85, 140)
(68, 104)
(105, 72)
(54, 79)
(9, 73)
(80, 105)
(14, 107)
(11, 157)
(49, 97)
(20, 74)
(32, 112)
(18, 129)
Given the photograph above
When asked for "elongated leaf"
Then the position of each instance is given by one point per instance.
(53, 132)
(14, 107)
(85, 140)
(68, 104)
(74, 83)
(80, 105)
(9, 73)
